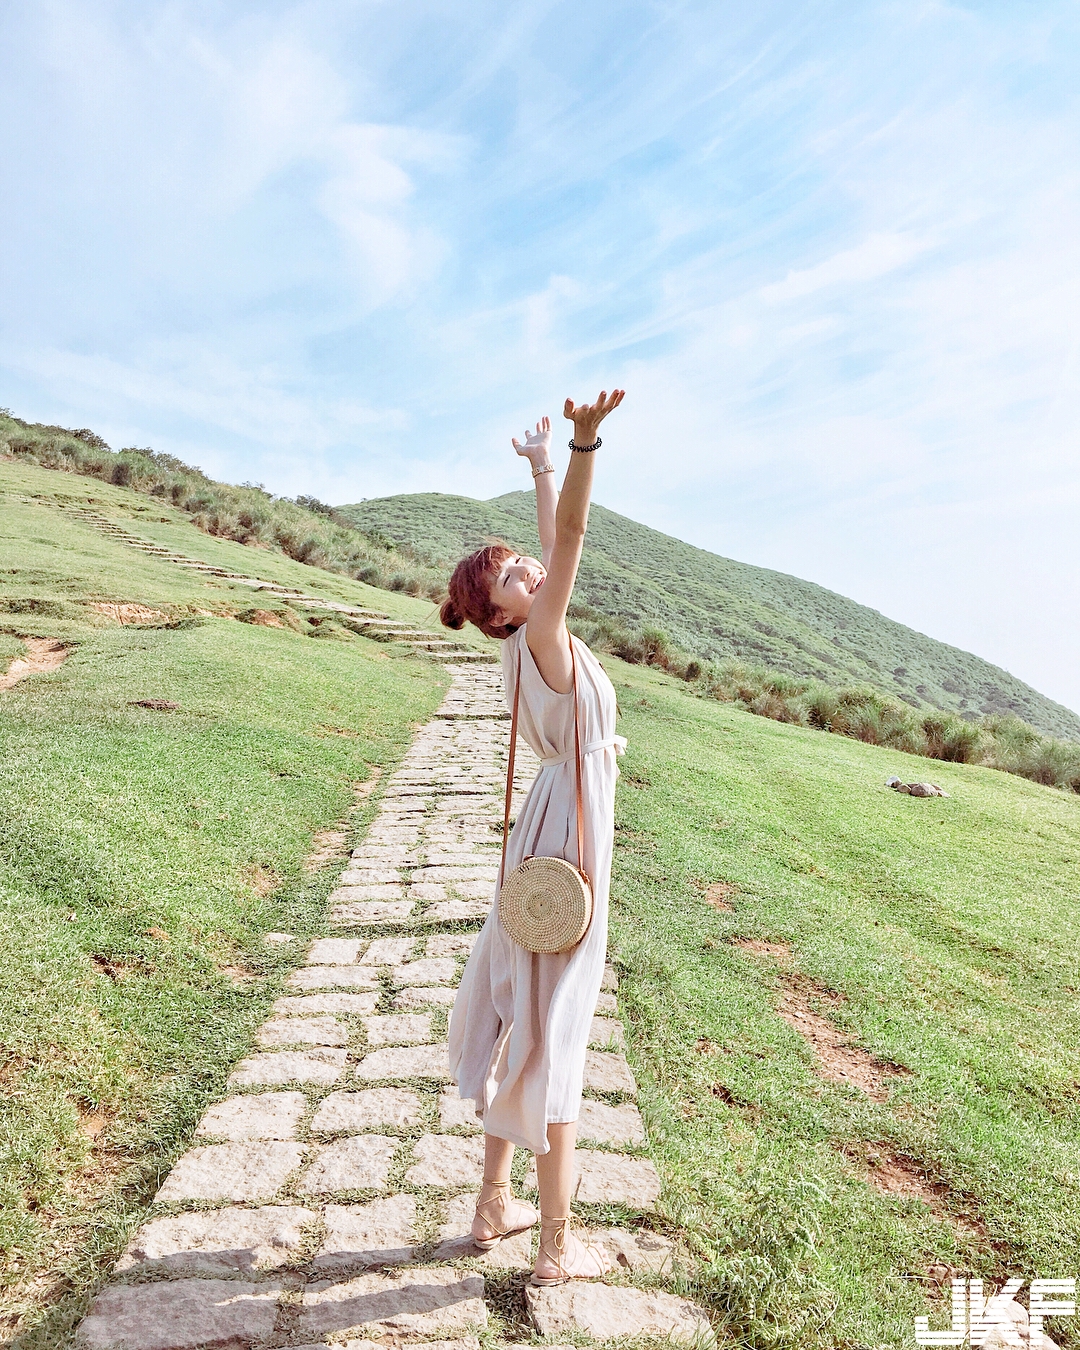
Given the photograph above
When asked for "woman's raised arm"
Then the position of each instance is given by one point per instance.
(546, 632)
(537, 450)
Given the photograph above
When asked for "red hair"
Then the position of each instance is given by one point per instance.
(470, 591)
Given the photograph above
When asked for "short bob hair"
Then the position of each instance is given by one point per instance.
(469, 596)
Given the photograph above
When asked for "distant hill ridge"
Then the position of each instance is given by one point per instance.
(714, 607)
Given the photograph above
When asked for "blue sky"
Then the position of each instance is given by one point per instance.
(831, 250)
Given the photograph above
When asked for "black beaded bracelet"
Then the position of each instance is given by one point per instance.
(585, 449)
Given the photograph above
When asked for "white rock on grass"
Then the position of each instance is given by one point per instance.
(334, 977)
(450, 944)
(610, 1124)
(263, 1115)
(398, 1029)
(311, 1005)
(605, 1072)
(607, 1311)
(322, 1065)
(391, 951)
(379, 1234)
(181, 1315)
(411, 1061)
(302, 1031)
(446, 1160)
(231, 1172)
(422, 997)
(431, 971)
(219, 1241)
(456, 1111)
(342, 1111)
(371, 912)
(334, 951)
(359, 1163)
(424, 1301)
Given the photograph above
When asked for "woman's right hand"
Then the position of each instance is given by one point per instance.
(587, 417)
(537, 447)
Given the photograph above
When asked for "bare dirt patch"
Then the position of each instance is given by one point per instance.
(156, 704)
(125, 613)
(837, 1059)
(329, 844)
(720, 895)
(262, 880)
(42, 655)
(262, 618)
(895, 1174)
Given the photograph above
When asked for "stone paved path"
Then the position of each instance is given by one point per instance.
(327, 1198)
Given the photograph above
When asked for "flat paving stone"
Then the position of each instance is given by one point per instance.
(614, 1179)
(610, 1124)
(181, 1315)
(389, 951)
(636, 1249)
(371, 912)
(610, 980)
(447, 1160)
(366, 1110)
(396, 855)
(446, 910)
(455, 874)
(607, 1005)
(398, 1029)
(456, 1111)
(450, 944)
(455, 1239)
(373, 891)
(430, 971)
(334, 977)
(231, 1172)
(607, 1072)
(606, 1031)
(359, 1163)
(334, 951)
(302, 1031)
(314, 1004)
(423, 997)
(379, 1234)
(427, 890)
(219, 1241)
(607, 1311)
(370, 876)
(323, 1065)
(424, 1301)
(262, 1115)
(407, 1061)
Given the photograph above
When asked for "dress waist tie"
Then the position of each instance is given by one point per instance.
(616, 743)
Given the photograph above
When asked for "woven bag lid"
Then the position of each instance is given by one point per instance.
(546, 905)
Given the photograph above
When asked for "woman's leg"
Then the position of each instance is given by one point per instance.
(497, 1212)
(562, 1255)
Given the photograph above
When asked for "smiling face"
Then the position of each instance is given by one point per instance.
(515, 588)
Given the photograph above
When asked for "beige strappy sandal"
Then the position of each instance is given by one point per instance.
(486, 1244)
(562, 1228)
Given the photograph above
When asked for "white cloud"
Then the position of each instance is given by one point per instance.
(876, 256)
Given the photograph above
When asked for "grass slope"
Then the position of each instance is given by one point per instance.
(941, 935)
(715, 607)
(143, 855)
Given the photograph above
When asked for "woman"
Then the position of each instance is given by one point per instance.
(520, 1023)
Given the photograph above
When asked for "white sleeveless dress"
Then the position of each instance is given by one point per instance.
(520, 1023)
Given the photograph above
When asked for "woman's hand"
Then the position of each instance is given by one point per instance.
(586, 417)
(537, 447)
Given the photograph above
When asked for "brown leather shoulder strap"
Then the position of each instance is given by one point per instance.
(510, 770)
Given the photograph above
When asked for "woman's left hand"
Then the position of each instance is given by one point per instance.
(537, 447)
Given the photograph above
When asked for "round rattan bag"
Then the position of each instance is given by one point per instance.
(546, 904)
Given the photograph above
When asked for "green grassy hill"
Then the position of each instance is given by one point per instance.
(715, 607)
(779, 917)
